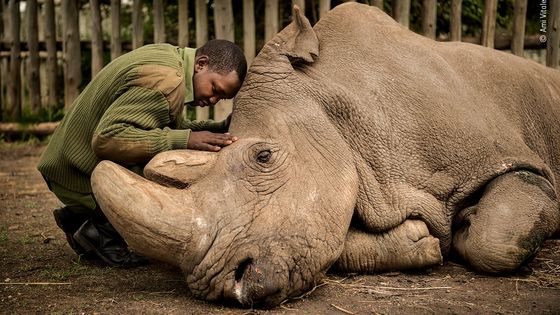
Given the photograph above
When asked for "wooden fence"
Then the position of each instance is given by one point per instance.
(54, 39)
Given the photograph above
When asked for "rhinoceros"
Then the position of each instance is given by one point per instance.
(363, 147)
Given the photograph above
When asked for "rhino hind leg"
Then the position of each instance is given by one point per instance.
(407, 246)
(507, 226)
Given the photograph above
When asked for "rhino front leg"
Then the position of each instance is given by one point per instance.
(407, 246)
(516, 213)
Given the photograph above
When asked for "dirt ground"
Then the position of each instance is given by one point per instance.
(39, 272)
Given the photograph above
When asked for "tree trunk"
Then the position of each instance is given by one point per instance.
(519, 13)
(489, 23)
(401, 12)
(137, 24)
(429, 13)
(183, 23)
(52, 61)
(249, 30)
(553, 36)
(116, 42)
(324, 7)
(33, 79)
(202, 113)
(455, 20)
(72, 53)
(271, 19)
(223, 23)
(300, 4)
(159, 23)
(14, 84)
(96, 38)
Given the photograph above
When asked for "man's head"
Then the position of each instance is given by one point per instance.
(219, 70)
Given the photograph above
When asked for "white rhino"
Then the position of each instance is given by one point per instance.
(363, 146)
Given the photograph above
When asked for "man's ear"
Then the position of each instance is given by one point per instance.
(200, 62)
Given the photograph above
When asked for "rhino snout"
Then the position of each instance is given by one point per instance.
(259, 283)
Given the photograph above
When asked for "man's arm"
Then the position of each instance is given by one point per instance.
(134, 128)
(205, 125)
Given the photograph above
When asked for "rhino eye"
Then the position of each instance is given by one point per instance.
(264, 156)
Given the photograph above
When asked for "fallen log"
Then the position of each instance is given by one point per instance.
(17, 130)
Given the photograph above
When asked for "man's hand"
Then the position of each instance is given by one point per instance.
(209, 141)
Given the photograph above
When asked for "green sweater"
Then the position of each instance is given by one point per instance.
(132, 110)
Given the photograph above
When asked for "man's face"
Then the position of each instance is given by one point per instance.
(210, 87)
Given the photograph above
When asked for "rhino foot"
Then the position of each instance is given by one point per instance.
(507, 226)
(407, 246)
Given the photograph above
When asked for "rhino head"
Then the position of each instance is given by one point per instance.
(265, 217)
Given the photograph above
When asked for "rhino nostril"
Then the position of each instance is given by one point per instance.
(240, 271)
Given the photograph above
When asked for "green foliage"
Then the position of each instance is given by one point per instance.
(43, 114)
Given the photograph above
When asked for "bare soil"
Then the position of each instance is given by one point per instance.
(39, 273)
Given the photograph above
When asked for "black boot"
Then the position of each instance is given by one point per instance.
(107, 244)
(69, 221)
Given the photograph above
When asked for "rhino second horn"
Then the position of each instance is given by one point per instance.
(179, 168)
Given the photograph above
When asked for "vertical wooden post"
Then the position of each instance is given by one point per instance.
(52, 61)
(455, 20)
(116, 42)
(223, 20)
(519, 15)
(270, 19)
(72, 53)
(2, 75)
(137, 24)
(14, 84)
(429, 13)
(324, 7)
(96, 38)
(202, 113)
(377, 3)
(159, 23)
(224, 26)
(249, 30)
(183, 23)
(489, 23)
(401, 12)
(300, 4)
(553, 34)
(34, 81)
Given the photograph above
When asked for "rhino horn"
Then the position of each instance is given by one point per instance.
(156, 221)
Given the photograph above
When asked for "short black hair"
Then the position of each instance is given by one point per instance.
(224, 57)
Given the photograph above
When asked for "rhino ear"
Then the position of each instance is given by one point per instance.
(300, 41)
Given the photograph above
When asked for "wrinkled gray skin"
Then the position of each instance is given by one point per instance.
(362, 146)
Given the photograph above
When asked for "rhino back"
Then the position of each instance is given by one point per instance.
(445, 117)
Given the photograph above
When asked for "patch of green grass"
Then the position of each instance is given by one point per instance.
(27, 239)
(3, 235)
(138, 297)
(62, 274)
(26, 267)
